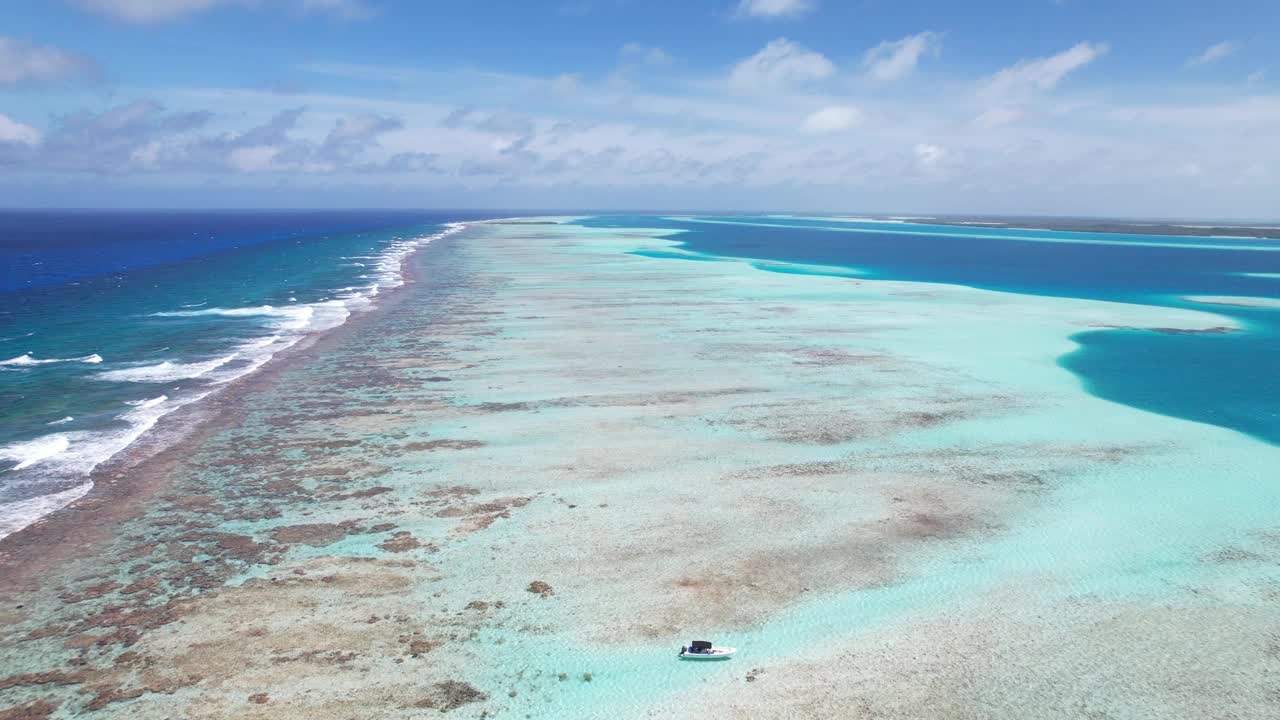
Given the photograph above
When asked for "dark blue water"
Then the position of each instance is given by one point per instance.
(111, 320)
(1231, 380)
(48, 247)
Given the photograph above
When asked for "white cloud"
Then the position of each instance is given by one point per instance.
(25, 63)
(151, 12)
(779, 64)
(1041, 74)
(566, 83)
(1250, 114)
(1256, 77)
(141, 136)
(257, 158)
(774, 8)
(1213, 53)
(13, 131)
(342, 9)
(147, 11)
(636, 60)
(360, 127)
(687, 142)
(891, 61)
(941, 165)
(832, 119)
(999, 116)
(645, 54)
(1254, 173)
(1188, 170)
(929, 156)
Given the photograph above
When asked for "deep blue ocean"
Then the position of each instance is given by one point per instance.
(1231, 379)
(111, 320)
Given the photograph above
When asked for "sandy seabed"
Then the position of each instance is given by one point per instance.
(521, 484)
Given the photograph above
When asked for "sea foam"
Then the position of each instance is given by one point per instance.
(68, 457)
(28, 453)
(78, 452)
(26, 359)
(18, 514)
(165, 372)
(65, 459)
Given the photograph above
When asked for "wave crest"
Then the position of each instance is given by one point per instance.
(26, 359)
(63, 460)
(28, 453)
(165, 372)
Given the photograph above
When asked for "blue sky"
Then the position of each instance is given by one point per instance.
(1139, 108)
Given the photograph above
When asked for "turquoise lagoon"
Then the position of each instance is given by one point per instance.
(1153, 516)
(1226, 380)
(908, 473)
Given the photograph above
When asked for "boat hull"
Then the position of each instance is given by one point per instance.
(715, 654)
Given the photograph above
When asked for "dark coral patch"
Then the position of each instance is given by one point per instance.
(313, 534)
(451, 695)
(38, 710)
(433, 445)
(402, 541)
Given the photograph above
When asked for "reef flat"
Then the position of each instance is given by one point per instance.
(519, 485)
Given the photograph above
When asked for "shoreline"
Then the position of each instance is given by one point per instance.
(351, 302)
(121, 484)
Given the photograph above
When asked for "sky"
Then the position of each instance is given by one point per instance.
(1132, 108)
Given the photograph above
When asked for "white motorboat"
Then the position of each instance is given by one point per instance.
(702, 650)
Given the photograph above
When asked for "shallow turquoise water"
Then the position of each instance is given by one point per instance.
(650, 416)
(1224, 379)
(1131, 531)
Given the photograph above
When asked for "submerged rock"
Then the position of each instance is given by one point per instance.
(52, 677)
(38, 710)
(106, 697)
(399, 542)
(313, 534)
(421, 647)
(451, 695)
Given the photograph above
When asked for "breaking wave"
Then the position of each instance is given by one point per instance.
(66, 458)
(165, 371)
(26, 359)
(56, 466)
(26, 454)
(18, 514)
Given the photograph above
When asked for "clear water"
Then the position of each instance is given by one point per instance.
(111, 320)
(652, 412)
(1226, 379)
